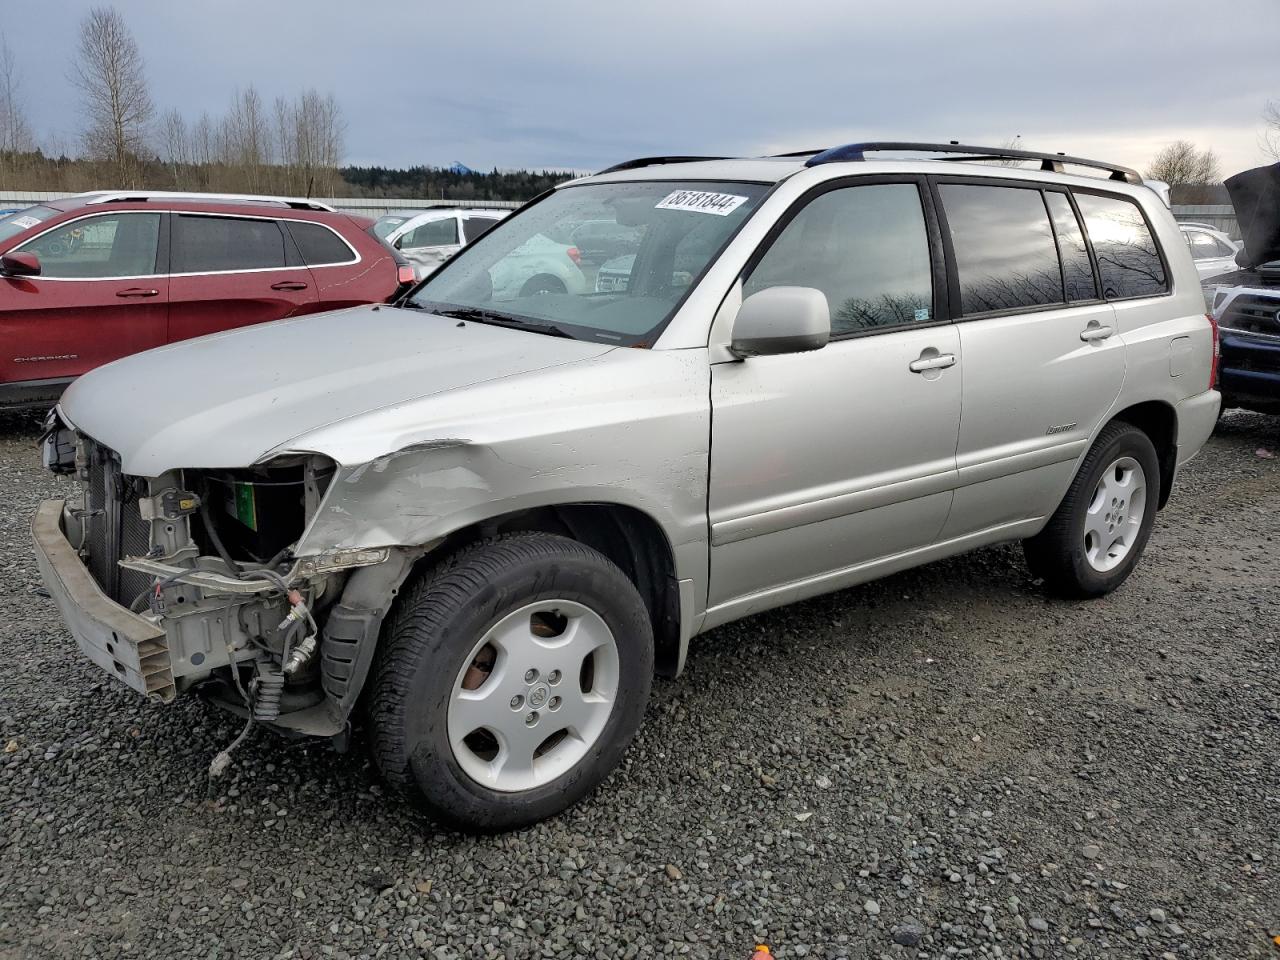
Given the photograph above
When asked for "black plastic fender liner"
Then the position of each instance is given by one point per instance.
(350, 635)
(346, 651)
(1256, 196)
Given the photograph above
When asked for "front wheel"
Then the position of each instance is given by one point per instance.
(511, 681)
(1094, 539)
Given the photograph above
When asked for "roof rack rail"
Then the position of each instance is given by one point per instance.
(1048, 161)
(124, 196)
(654, 161)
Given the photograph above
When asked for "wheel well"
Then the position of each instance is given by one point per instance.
(629, 537)
(1159, 422)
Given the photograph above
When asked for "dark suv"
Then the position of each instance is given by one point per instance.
(90, 278)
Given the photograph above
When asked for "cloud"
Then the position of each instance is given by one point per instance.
(581, 84)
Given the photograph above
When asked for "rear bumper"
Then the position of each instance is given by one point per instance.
(125, 645)
(1197, 417)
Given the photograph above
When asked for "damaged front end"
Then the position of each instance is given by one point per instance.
(189, 581)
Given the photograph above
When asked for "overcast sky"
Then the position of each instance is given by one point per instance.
(580, 85)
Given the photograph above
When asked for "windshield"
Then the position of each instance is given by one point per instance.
(15, 223)
(384, 225)
(652, 240)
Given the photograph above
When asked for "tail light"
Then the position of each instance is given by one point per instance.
(1217, 351)
(404, 274)
(575, 255)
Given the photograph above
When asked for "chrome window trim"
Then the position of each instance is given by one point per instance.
(251, 216)
(66, 223)
(197, 273)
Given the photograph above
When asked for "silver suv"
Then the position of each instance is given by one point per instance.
(483, 520)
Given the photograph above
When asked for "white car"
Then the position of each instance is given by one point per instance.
(433, 236)
(539, 265)
(1212, 250)
(385, 224)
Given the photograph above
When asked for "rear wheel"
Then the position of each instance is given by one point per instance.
(1095, 538)
(511, 681)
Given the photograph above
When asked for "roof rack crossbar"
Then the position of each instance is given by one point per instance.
(654, 161)
(124, 196)
(1048, 161)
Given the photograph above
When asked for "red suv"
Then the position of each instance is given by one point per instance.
(90, 278)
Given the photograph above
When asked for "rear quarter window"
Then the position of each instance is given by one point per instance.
(1129, 262)
(319, 245)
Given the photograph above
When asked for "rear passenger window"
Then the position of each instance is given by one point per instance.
(866, 248)
(1077, 271)
(212, 244)
(1205, 246)
(1128, 258)
(1004, 247)
(433, 233)
(319, 245)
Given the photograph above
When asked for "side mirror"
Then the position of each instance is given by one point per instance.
(19, 265)
(781, 320)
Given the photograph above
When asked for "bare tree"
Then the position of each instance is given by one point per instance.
(1271, 132)
(286, 142)
(176, 144)
(15, 130)
(1013, 143)
(247, 138)
(1182, 163)
(204, 142)
(311, 142)
(117, 103)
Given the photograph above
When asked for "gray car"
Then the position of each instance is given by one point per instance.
(484, 523)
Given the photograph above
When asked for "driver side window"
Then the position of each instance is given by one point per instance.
(866, 248)
(99, 248)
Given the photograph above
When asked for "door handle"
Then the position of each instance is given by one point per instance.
(938, 362)
(137, 292)
(289, 285)
(1095, 331)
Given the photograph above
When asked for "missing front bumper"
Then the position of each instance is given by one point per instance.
(125, 645)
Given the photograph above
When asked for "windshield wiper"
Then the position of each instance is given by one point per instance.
(496, 319)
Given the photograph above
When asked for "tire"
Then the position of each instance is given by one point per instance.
(436, 661)
(1063, 555)
(542, 283)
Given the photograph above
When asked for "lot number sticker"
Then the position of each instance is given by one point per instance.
(24, 222)
(701, 201)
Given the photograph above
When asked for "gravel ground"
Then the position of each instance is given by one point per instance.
(944, 763)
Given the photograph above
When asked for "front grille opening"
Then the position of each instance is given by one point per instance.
(255, 515)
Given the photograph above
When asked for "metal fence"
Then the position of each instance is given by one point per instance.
(365, 206)
(1221, 216)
